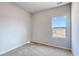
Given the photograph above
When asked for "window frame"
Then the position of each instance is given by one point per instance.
(66, 28)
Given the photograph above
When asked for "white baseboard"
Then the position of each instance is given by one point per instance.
(52, 45)
(14, 48)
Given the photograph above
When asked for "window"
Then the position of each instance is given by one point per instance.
(59, 27)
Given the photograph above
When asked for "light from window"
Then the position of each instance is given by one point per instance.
(59, 27)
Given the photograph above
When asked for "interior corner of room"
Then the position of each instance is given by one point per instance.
(23, 23)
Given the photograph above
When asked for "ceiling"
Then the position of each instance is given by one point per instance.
(33, 7)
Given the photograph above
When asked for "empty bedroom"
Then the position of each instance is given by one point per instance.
(39, 28)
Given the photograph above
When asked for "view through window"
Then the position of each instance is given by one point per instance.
(59, 27)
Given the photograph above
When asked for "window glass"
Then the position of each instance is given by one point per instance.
(59, 27)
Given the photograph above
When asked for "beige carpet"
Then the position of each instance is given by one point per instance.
(38, 50)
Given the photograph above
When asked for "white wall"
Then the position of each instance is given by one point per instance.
(75, 28)
(15, 27)
(42, 27)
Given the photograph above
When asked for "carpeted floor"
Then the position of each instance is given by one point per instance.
(38, 50)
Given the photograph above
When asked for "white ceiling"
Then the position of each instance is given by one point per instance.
(37, 6)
